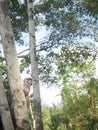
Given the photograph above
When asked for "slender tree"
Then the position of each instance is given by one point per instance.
(34, 68)
(18, 99)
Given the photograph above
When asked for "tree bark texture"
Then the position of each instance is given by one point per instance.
(34, 68)
(18, 98)
(4, 109)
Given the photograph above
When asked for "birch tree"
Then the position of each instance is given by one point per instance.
(4, 109)
(18, 99)
(34, 68)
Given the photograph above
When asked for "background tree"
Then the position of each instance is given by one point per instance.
(34, 69)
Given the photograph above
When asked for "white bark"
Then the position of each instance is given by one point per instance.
(4, 109)
(34, 69)
(19, 103)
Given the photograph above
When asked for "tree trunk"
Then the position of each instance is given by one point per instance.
(34, 68)
(18, 99)
(4, 109)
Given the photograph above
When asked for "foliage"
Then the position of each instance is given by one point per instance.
(53, 118)
(24, 63)
(69, 24)
(79, 98)
(91, 6)
(46, 117)
(77, 108)
(57, 119)
(81, 107)
(3, 70)
(19, 18)
(66, 20)
(75, 68)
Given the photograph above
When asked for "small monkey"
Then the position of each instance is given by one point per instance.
(26, 89)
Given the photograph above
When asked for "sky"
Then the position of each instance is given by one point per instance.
(22, 1)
